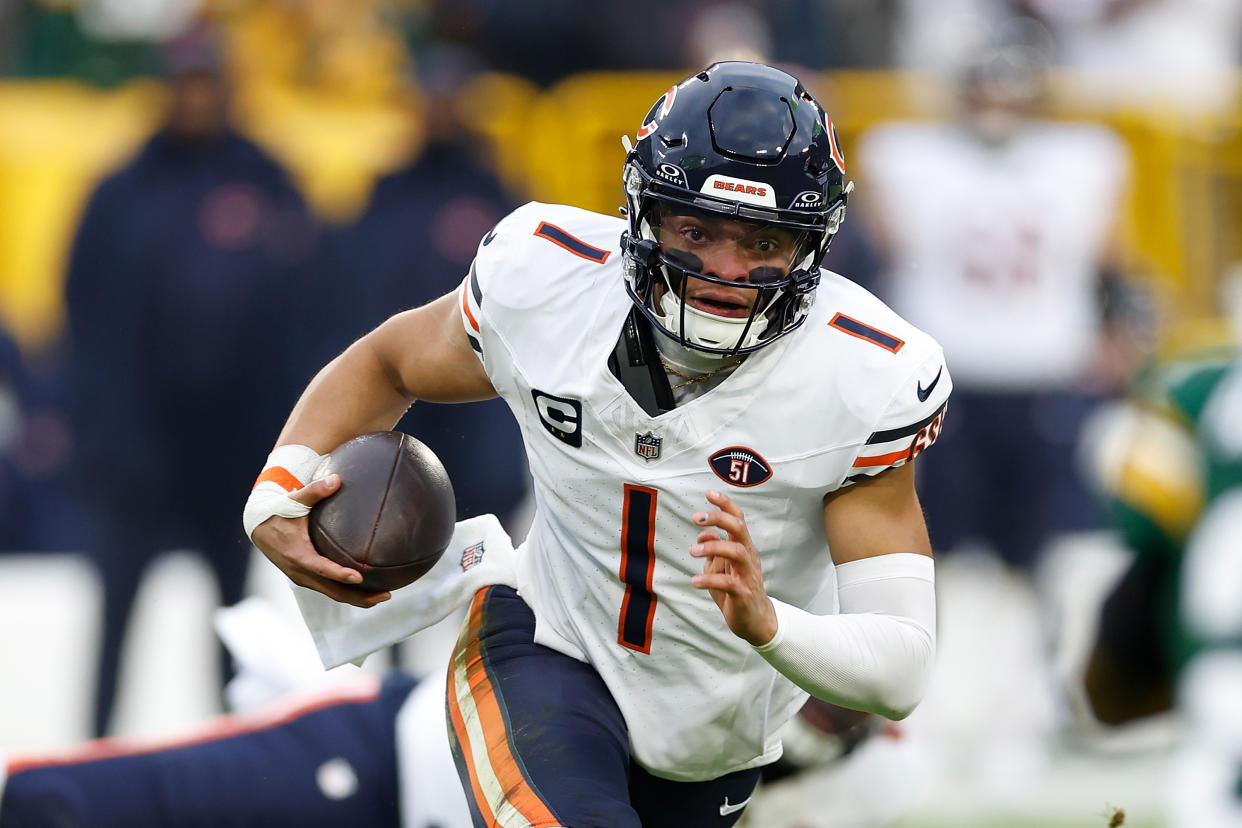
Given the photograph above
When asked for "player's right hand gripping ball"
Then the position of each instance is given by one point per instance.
(393, 516)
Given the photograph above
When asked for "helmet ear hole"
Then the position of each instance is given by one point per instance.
(642, 260)
(647, 251)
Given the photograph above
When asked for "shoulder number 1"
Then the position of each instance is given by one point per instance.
(637, 565)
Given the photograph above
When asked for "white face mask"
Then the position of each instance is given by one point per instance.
(707, 329)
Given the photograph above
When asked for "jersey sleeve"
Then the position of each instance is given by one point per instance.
(910, 423)
(469, 300)
(539, 265)
(500, 248)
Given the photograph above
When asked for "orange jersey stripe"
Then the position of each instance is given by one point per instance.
(516, 789)
(281, 476)
(883, 459)
(465, 306)
(365, 689)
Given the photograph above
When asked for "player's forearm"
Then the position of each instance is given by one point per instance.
(877, 654)
(419, 354)
(354, 394)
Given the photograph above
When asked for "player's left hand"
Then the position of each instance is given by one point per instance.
(732, 572)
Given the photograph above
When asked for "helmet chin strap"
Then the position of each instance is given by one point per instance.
(708, 329)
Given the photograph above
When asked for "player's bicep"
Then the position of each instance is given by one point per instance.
(876, 516)
(430, 355)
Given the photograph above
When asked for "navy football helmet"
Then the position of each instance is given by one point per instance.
(745, 144)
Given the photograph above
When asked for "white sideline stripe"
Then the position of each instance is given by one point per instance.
(507, 815)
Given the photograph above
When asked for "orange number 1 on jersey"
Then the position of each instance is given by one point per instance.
(637, 564)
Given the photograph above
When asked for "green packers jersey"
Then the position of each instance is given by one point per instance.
(1172, 453)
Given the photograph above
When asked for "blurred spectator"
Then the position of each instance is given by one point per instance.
(347, 48)
(356, 47)
(544, 40)
(1170, 55)
(183, 320)
(14, 391)
(547, 40)
(841, 34)
(35, 446)
(101, 42)
(1170, 631)
(1000, 235)
(415, 243)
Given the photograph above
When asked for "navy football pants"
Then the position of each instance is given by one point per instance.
(539, 740)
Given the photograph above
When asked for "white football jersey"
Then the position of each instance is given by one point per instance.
(995, 249)
(606, 566)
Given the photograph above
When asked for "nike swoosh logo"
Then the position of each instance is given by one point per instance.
(491, 234)
(727, 809)
(924, 393)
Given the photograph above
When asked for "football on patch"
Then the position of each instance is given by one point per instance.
(394, 513)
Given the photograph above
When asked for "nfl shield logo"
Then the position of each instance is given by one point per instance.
(647, 446)
(471, 555)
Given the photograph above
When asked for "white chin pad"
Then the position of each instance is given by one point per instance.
(708, 329)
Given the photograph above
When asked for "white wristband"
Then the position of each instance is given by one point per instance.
(877, 654)
(288, 468)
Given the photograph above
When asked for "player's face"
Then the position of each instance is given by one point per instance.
(744, 252)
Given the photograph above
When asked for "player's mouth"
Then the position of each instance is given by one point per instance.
(726, 303)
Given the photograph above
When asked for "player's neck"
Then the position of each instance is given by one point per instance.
(690, 372)
(693, 361)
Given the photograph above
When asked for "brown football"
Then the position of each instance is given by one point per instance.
(393, 516)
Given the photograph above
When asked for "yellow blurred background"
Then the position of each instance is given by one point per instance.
(334, 102)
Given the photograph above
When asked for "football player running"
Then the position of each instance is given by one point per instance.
(720, 435)
(1170, 632)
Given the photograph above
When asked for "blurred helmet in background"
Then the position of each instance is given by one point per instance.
(1004, 80)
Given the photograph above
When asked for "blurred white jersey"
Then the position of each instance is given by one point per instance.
(995, 249)
(606, 567)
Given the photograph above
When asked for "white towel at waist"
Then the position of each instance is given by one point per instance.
(479, 555)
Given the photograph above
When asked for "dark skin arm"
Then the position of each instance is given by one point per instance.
(421, 354)
(878, 516)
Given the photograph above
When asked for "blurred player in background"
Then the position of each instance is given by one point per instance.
(1170, 631)
(641, 673)
(1000, 232)
(182, 293)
